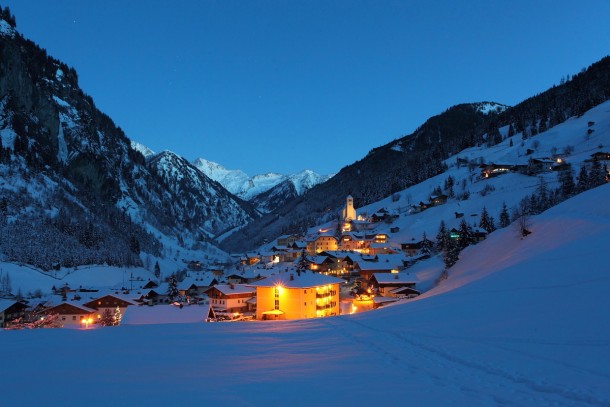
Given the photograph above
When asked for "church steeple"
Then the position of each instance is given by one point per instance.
(349, 213)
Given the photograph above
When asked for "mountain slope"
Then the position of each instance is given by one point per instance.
(74, 191)
(384, 170)
(203, 201)
(419, 156)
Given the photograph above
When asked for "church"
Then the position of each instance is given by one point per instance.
(349, 213)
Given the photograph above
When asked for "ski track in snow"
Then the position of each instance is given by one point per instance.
(455, 368)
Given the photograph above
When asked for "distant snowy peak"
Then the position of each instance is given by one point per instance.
(307, 179)
(232, 180)
(146, 152)
(490, 107)
(239, 183)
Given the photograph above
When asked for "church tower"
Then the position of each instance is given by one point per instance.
(349, 213)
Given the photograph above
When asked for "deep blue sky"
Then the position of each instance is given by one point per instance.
(286, 85)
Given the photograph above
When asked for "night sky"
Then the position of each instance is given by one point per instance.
(281, 86)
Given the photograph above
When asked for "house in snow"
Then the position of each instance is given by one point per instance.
(394, 284)
(287, 240)
(230, 298)
(411, 248)
(10, 310)
(109, 303)
(436, 200)
(297, 295)
(324, 241)
(73, 314)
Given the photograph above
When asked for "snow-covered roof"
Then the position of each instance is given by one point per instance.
(121, 296)
(316, 259)
(76, 304)
(395, 278)
(374, 265)
(305, 280)
(398, 290)
(228, 289)
(5, 304)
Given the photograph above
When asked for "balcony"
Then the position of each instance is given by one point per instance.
(326, 294)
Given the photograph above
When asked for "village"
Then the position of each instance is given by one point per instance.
(353, 267)
(353, 264)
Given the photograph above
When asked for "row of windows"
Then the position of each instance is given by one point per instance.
(63, 317)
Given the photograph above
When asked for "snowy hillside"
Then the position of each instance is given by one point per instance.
(239, 183)
(520, 322)
(573, 141)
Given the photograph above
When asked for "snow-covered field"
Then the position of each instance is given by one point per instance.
(518, 322)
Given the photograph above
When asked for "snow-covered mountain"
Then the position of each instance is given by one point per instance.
(421, 155)
(146, 152)
(246, 187)
(207, 203)
(491, 107)
(74, 186)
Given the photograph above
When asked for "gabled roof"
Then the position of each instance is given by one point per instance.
(318, 259)
(305, 280)
(394, 278)
(228, 289)
(120, 297)
(6, 304)
(404, 290)
(372, 266)
(70, 308)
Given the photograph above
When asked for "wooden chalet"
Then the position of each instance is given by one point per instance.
(436, 200)
(478, 235)
(109, 302)
(394, 284)
(72, 314)
(493, 170)
(10, 310)
(412, 248)
(287, 240)
(230, 298)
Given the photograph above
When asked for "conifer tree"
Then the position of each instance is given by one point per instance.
(117, 316)
(543, 196)
(597, 175)
(583, 179)
(172, 289)
(566, 182)
(107, 318)
(157, 269)
(441, 237)
(451, 253)
(303, 263)
(426, 244)
(486, 221)
(465, 235)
